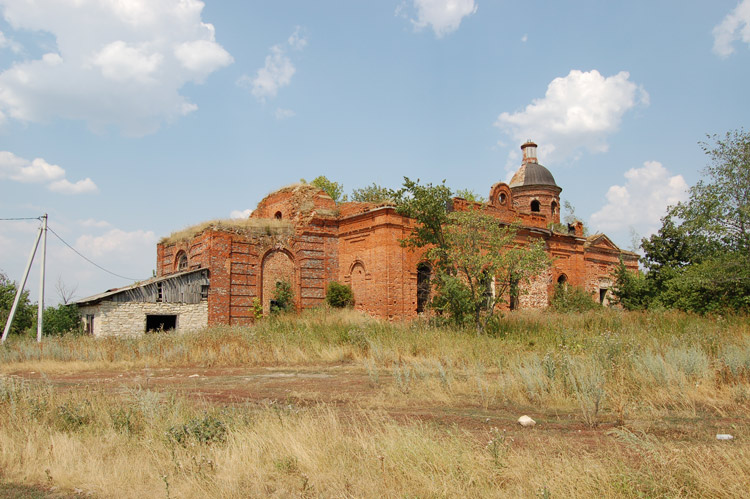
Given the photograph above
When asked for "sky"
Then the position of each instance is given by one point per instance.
(126, 120)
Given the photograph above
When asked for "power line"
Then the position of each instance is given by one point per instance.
(88, 260)
(26, 218)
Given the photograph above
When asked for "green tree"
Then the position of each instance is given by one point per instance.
(697, 259)
(666, 253)
(333, 189)
(631, 290)
(26, 311)
(483, 260)
(470, 195)
(718, 284)
(61, 320)
(428, 206)
(372, 194)
(719, 207)
(339, 295)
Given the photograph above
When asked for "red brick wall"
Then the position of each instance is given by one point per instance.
(361, 246)
(523, 197)
(278, 266)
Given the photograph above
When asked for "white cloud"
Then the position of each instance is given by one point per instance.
(578, 111)
(121, 62)
(6, 42)
(277, 71)
(241, 213)
(282, 114)
(40, 171)
(296, 40)
(126, 253)
(11, 165)
(525, 38)
(642, 201)
(92, 222)
(735, 26)
(443, 16)
(117, 62)
(117, 243)
(202, 56)
(67, 187)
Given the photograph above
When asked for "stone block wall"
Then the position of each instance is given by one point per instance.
(129, 318)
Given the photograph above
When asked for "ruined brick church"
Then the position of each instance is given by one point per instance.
(214, 273)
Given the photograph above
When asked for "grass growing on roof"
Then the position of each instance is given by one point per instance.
(251, 226)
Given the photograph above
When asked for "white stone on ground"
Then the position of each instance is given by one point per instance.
(526, 421)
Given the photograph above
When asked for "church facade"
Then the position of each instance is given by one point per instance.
(220, 272)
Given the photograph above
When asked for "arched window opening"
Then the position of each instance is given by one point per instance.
(502, 198)
(277, 216)
(535, 206)
(563, 279)
(424, 274)
(182, 261)
(554, 208)
(277, 267)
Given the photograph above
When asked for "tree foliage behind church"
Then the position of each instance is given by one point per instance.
(700, 258)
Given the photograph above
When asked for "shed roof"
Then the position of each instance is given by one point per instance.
(111, 292)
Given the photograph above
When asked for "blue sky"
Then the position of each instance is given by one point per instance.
(126, 120)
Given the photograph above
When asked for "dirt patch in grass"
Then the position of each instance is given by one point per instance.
(350, 387)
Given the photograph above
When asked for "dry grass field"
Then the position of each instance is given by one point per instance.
(334, 404)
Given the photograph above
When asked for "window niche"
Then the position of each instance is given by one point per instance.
(424, 275)
(182, 261)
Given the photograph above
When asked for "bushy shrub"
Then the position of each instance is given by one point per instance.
(572, 299)
(284, 298)
(62, 319)
(339, 295)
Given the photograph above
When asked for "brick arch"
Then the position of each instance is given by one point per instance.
(181, 261)
(358, 283)
(277, 265)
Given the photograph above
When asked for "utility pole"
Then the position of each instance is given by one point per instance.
(19, 291)
(40, 312)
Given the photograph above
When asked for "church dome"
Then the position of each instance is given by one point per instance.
(531, 172)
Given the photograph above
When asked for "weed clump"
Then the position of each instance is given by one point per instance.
(205, 431)
(572, 299)
(339, 295)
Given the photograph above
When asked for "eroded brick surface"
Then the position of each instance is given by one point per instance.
(360, 244)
